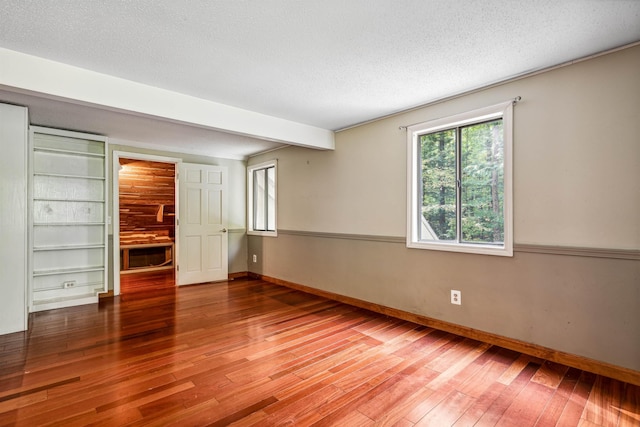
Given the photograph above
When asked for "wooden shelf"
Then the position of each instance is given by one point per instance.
(66, 224)
(64, 301)
(59, 271)
(68, 152)
(68, 204)
(125, 251)
(146, 245)
(40, 199)
(61, 175)
(66, 247)
(79, 285)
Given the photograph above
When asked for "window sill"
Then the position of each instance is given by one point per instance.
(262, 233)
(463, 248)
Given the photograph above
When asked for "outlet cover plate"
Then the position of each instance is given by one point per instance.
(456, 297)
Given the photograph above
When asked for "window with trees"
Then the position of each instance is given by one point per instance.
(460, 182)
(261, 201)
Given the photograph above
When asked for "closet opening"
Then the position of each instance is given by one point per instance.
(146, 224)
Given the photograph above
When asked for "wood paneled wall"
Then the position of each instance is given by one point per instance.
(145, 189)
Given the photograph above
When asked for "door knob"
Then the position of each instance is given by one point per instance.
(224, 230)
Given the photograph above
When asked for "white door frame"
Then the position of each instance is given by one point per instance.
(117, 155)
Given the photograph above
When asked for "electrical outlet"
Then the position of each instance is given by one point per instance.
(69, 284)
(255, 258)
(456, 297)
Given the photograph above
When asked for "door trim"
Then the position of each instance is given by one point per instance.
(115, 217)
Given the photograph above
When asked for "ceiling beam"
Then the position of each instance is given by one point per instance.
(42, 77)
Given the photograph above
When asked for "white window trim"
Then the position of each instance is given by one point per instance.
(250, 225)
(504, 110)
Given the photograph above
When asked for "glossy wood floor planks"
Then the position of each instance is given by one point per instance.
(249, 353)
(140, 281)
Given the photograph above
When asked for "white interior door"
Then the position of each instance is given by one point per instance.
(202, 233)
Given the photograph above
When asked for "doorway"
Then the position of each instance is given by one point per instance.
(200, 245)
(147, 197)
(144, 222)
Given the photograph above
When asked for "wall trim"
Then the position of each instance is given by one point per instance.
(108, 294)
(238, 275)
(366, 237)
(579, 251)
(580, 362)
(517, 247)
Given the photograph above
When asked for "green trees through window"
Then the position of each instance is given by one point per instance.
(462, 183)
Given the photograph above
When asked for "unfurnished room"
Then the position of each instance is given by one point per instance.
(320, 213)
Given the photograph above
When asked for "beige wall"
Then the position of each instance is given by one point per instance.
(576, 175)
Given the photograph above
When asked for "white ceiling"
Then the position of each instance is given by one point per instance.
(325, 63)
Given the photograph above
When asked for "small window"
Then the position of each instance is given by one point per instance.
(262, 199)
(459, 183)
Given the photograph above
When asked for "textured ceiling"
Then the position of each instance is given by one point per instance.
(328, 63)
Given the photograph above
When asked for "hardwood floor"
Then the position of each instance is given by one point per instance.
(247, 353)
(147, 281)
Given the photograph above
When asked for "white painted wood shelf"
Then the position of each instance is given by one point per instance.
(68, 205)
(67, 152)
(65, 247)
(61, 175)
(55, 271)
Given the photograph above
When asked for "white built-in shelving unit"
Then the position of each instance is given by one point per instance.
(68, 206)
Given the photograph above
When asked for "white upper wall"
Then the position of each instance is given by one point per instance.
(13, 218)
(576, 161)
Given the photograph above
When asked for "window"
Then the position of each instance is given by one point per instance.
(459, 182)
(262, 199)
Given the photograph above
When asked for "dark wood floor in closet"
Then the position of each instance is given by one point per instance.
(246, 352)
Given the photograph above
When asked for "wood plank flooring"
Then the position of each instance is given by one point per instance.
(249, 353)
(147, 281)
